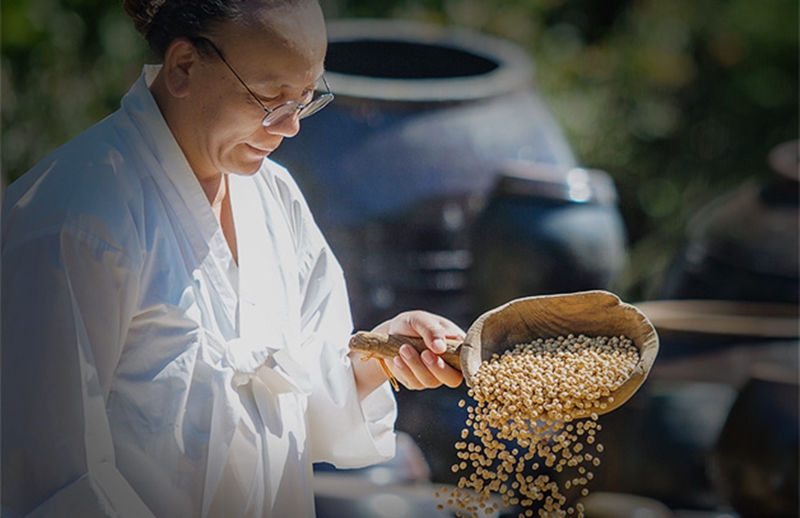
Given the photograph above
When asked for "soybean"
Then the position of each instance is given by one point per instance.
(533, 397)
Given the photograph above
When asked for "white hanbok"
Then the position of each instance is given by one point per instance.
(144, 372)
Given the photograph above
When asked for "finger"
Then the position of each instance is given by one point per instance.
(443, 372)
(418, 368)
(433, 329)
(403, 374)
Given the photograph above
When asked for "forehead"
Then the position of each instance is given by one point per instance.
(269, 41)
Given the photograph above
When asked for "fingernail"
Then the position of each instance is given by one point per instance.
(439, 345)
(428, 357)
(398, 363)
(405, 351)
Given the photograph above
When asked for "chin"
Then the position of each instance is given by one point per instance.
(247, 172)
(246, 168)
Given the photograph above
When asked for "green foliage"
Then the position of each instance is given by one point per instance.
(679, 100)
(65, 65)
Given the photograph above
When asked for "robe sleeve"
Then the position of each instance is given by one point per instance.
(343, 431)
(67, 298)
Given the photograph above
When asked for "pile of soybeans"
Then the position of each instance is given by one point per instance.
(534, 423)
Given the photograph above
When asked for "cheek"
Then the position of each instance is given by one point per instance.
(225, 128)
(222, 128)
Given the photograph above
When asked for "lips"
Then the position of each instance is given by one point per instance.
(259, 151)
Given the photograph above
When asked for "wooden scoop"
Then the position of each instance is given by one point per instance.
(592, 313)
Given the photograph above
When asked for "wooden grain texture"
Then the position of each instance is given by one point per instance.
(386, 346)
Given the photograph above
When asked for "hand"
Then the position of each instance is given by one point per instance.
(426, 370)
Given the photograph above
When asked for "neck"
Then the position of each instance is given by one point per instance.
(215, 186)
(216, 190)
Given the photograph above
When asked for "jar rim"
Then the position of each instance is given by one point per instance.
(511, 68)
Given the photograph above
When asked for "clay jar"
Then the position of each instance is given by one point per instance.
(400, 168)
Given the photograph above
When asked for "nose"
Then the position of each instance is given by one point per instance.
(287, 128)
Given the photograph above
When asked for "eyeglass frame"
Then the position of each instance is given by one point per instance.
(317, 103)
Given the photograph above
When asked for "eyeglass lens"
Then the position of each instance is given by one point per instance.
(288, 109)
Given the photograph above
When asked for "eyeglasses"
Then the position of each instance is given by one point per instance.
(289, 108)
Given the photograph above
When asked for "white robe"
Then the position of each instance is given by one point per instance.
(143, 371)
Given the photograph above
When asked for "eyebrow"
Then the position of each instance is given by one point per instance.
(263, 97)
(315, 82)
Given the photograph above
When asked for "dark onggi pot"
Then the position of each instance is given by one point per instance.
(437, 160)
(401, 166)
(756, 456)
(744, 245)
(545, 230)
(703, 433)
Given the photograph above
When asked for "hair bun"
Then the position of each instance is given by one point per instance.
(142, 13)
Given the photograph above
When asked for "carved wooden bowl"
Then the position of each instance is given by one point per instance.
(592, 313)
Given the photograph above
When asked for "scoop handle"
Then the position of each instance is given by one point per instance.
(381, 345)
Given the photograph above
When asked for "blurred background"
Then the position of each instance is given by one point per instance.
(483, 150)
(677, 100)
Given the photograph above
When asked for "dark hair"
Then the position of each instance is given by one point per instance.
(163, 21)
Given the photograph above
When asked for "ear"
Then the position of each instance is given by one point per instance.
(180, 59)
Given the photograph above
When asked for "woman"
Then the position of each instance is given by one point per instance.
(174, 325)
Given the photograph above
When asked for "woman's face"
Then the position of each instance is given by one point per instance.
(280, 55)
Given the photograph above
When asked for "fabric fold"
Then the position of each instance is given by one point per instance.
(210, 387)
